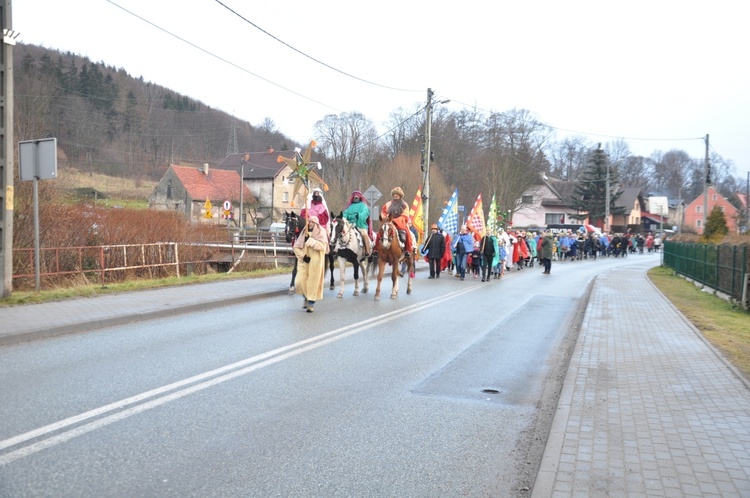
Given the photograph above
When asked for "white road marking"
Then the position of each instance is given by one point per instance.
(189, 386)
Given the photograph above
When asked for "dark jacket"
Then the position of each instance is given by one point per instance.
(434, 246)
(487, 247)
(547, 246)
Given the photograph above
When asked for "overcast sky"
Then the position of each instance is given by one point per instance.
(658, 74)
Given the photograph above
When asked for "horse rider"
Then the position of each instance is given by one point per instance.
(316, 206)
(357, 213)
(399, 214)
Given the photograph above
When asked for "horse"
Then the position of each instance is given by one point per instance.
(389, 251)
(293, 226)
(349, 248)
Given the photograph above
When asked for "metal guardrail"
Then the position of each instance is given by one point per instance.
(157, 260)
(723, 268)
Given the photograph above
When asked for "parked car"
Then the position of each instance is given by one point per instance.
(277, 228)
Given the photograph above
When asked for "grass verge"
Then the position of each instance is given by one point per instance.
(725, 325)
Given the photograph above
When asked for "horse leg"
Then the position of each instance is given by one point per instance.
(394, 278)
(381, 271)
(331, 261)
(355, 267)
(294, 275)
(342, 270)
(363, 265)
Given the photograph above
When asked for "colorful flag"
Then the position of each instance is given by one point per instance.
(475, 220)
(449, 219)
(492, 217)
(417, 216)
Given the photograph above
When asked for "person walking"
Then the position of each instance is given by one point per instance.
(476, 260)
(357, 212)
(547, 248)
(488, 248)
(464, 247)
(435, 250)
(311, 248)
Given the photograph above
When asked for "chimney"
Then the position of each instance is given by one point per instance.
(205, 169)
(269, 150)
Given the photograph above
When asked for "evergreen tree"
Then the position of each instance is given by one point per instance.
(716, 226)
(590, 197)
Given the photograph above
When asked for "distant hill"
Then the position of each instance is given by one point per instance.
(107, 121)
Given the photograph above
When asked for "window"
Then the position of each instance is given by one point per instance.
(697, 209)
(285, 197)
(527, 199)
(554, 218)
(698, 223)
(713, 197)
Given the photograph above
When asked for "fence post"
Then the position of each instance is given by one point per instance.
(177, 258)
(101, 262)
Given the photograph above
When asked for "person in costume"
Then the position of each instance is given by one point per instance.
(316, 206)
(357, 213)
(311, 248)
(398, 211)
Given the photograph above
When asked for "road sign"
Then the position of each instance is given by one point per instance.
(227, 205)
(372, 195)
(37, 159)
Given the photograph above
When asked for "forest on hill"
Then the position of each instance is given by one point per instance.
(107, 121)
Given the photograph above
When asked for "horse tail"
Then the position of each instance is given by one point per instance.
(373, 263)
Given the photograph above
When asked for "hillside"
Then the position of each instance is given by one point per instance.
(107, 121)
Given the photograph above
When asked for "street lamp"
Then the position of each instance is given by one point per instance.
(426, 158)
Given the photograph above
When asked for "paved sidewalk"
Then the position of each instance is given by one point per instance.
(648, 407)
(34, 321)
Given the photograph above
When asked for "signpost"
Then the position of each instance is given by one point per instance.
(37, 160)
(372, 195)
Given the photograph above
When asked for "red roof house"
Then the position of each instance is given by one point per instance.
(201, 193)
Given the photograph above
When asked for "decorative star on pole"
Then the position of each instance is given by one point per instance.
(303, 170)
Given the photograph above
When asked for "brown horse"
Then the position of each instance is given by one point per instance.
(389, 251)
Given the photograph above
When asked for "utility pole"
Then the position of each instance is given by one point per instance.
(607, 201)
(427, 158)
(705, 189)
(426, 163)
(245, 158)
(6, 149)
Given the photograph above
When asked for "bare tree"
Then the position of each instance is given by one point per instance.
(670, 172)
(568, 158)
(348, 142)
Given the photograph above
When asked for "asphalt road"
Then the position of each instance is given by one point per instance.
(448, 391)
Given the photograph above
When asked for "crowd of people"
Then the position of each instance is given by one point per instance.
(487, 257)
(492, 255)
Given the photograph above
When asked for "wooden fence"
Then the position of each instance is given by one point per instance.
(117, 263)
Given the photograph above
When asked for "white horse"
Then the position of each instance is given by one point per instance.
(349, 247)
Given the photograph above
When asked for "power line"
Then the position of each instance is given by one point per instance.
(225, 60)
(309, 56)
(578, 132)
